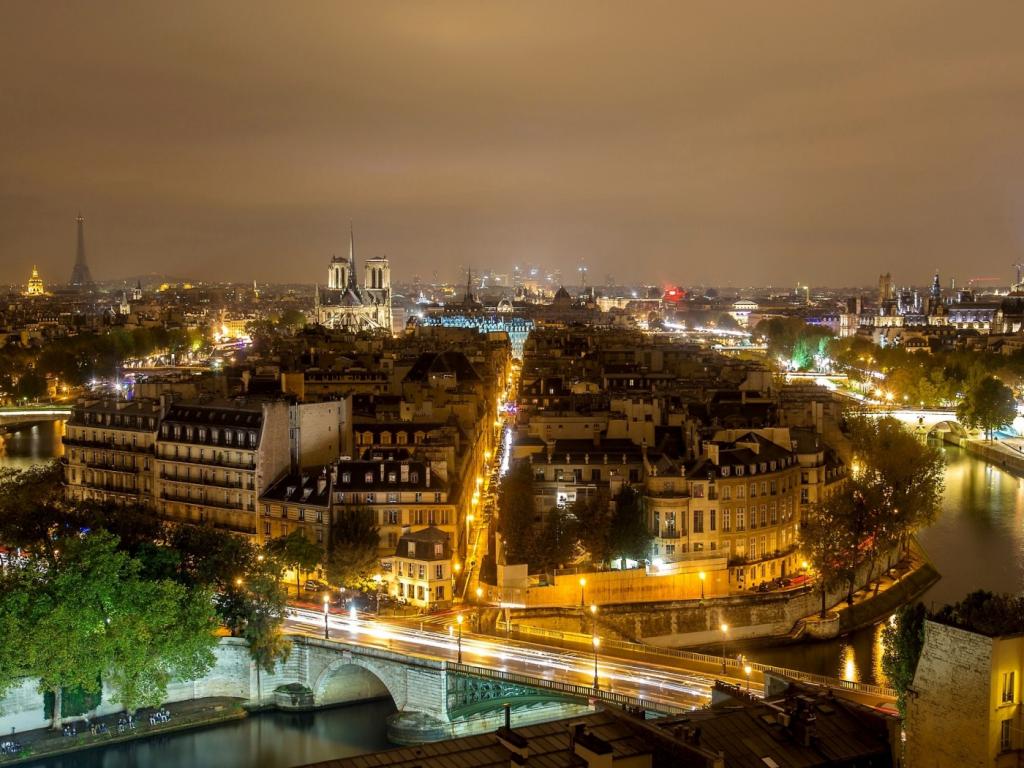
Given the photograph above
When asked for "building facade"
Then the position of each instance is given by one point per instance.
(345, 304)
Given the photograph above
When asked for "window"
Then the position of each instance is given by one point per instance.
(1008, 687)
(439, 571)
(438, 551)
(392, 498)
(391, 517)
(439, 592)
(740, 519)
(319, 535)
(319, 515)
(368, 477)
(392, 477)
(741, 492)
(411, 548)
(266, 529)
(698, 490)
(753, 490)
(302, 514)
(423, 572)
(266, 510)
(726, 521)
(726, 493)
(698, 521)
(1005, 740)
(739, 471)
(346, 477)
(711, 520)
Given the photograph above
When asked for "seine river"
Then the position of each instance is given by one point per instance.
(977, 543)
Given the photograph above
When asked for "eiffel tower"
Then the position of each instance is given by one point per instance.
(80, 275)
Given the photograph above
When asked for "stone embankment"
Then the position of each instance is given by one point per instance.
(775, 615)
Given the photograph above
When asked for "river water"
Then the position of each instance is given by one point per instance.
(976, 543)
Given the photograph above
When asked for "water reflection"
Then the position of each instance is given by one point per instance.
(977, 542)
(848, 664)
(31, 445)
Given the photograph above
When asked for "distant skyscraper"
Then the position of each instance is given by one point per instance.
(80, 275)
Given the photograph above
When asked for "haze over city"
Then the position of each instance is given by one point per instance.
(695, 143)
(485, 384)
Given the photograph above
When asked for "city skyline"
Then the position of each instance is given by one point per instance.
(695, 142)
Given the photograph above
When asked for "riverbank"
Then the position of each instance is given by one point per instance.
(1001, 453)
(185, 715)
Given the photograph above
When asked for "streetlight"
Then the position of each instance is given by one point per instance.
(593, 618)
(459, 620)
(725, 634)
(327, 629)
(378, 579)
(701, 576)
(479, 607)
(597, 643)
(747, 670)
(583, 587)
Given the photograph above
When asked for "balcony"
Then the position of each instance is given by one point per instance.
(212, 461)
(208, 481)
(670, 533)
(110, 467)
(109, 488)
(109, 445)
(218, 503)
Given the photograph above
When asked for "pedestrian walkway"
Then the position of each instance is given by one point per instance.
(83, 733)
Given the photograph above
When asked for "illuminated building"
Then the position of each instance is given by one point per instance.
(346, 305)
(35, 285)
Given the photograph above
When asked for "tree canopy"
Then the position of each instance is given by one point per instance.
(988, 405)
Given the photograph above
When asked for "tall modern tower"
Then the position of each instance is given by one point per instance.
(80, 275)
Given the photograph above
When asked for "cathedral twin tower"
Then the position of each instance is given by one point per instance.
(345, 304)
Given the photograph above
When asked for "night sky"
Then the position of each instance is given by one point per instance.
(732, 143)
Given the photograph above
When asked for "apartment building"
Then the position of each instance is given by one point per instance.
(420, 569)
(214, 459)
(741, 499)
(109, 451)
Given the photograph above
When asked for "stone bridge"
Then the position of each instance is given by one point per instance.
(432, 696)
(925, 420)
(15, 417)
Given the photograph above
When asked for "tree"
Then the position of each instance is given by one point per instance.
(32, 509)
(826, 538)
(556, 542)
(293, 319)
(209, 557)
(629, 535)
(904, 474)
(353, 554)
(518, 513)
(161, 631)
(594, 517)
(902, 641)
(254, 608)
(30, 386)
(89, 615)
(988, 405)
(296, 552)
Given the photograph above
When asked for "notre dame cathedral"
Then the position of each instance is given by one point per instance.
(346, 305)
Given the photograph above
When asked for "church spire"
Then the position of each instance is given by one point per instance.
(351, 257)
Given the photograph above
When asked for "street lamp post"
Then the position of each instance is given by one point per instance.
(593, 618)
(597, 643)
(725, 634)
(379, 580)
(459, 620)
(583, 588)
(701, 576)
(479, 607)
(327, 628)
(747, 670)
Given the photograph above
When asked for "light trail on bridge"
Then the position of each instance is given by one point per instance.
(646, 680)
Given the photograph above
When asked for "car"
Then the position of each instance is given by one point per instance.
(764, 586)
(315, 585)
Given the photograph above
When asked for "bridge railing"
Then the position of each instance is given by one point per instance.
(568, 689)
(644, 650)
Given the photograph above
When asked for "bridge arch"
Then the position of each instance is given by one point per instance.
(946, 425)
(353, 678)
